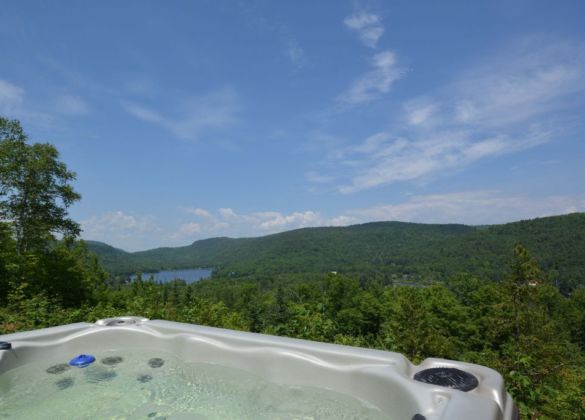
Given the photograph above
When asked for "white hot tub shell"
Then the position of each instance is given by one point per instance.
(382, 379)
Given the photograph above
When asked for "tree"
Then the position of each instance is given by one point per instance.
(521, 286)
(7, 259)
(35, 189)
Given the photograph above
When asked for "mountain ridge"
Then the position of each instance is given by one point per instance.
(389, 250)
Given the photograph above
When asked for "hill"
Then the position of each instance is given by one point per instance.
(389, 250)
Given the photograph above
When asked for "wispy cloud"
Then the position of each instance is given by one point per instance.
(132, 232)
(15, 103)
(198, 212)
(296, 54)
(226, 221)
(71, 105)
(186, 231)
(120, 228)
(142, 85)
(367, 26)
(215, 110)
(471, 207)
(11, 96)
(73, 78)
(384, 71)
(401, 159)
(275, 29)
(144, 113)
(503, 105)
(420, 112)
(317, 178)
(533, 77)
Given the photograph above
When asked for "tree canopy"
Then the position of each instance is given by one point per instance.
(35, 189)
(391, 252)
(35, 194)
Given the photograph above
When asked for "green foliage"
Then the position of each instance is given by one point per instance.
(8, 260)
(69, 273)
(26, 311)
(35, 193)
(525, 329)
(425, 321)
(387, 252)
(492, 307)
(576, 317)
(35, 189)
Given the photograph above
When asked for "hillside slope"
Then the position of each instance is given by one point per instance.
(392, 250)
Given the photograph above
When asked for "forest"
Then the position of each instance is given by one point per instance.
(391, 252)
(510, 297)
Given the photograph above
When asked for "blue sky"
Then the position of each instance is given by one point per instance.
(186, 120)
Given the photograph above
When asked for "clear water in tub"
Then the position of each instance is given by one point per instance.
(144, 385)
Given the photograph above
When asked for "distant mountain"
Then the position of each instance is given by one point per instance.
(391, 250)
(103, 249)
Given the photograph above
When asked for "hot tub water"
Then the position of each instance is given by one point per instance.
(136, 384)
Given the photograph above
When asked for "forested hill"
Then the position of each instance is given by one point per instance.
(389, 250)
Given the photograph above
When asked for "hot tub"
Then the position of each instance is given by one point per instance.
(165, 370)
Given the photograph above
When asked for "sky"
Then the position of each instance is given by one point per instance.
(185, 120)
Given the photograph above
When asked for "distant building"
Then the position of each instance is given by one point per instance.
(533, 283)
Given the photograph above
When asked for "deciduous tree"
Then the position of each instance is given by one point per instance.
(35, 189)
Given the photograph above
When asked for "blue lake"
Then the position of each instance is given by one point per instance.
(190, 275)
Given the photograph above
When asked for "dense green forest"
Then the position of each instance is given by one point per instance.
(392, 252)
(485, 298)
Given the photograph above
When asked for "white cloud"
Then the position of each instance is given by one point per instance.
(468, 207)
(215, 110)
(317, 178)
(220, 226)
(471, 207)
(420, 112)
(120, 228)
(11, 97)
(405, 160)
(367, 26)
(212, 111)
(143, 113)
(504, 105)
(34, 112)
(296, 54)
(187, 231)
(374, 143)
(376, 82)
(228, 214)
(141, 84)
(71, 105)
(465, 111)
(343, 221)
(532, 78)
(271, 221)
(119, 221)
(198, 212)
(226, 221)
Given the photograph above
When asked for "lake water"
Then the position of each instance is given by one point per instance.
(190, 275)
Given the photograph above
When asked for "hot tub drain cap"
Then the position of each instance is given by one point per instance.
(83, 360)
(448, 377)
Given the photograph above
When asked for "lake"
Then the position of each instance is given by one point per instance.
(190, 275)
